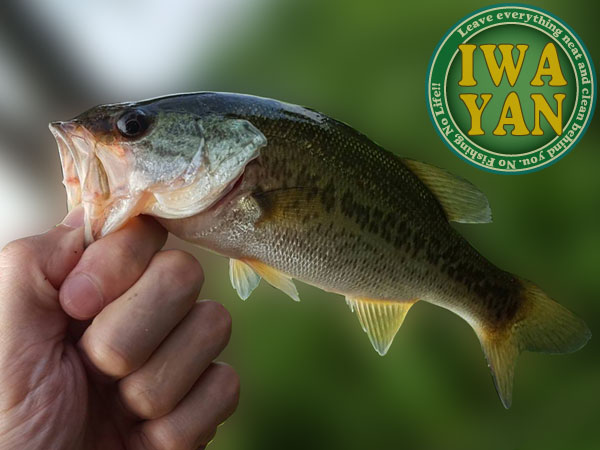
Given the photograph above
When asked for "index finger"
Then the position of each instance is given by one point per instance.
(110, 266)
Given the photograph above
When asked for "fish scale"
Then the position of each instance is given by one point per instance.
(288, 193)
(351, 214)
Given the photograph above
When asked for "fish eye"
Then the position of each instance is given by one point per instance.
(133, 123)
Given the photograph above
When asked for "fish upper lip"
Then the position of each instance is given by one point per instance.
(84, 174)
(63, 128)
(69, 162)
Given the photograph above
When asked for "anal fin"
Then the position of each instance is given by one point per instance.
(243, 278)
(275, 278)
(380, 319)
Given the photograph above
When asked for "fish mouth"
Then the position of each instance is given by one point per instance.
(102, 178)
(87, 179)
(71, 161)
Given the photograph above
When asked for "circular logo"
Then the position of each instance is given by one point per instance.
(511, 89)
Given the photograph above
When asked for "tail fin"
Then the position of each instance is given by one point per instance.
(541, 325)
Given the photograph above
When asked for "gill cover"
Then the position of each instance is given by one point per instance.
(226, 146)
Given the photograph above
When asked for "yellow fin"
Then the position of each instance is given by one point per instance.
(541, 325)
(243, 278)
(501, 354)
(274, 278)
(461, 201)
(380, 319)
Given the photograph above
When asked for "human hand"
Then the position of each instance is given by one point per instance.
(139, 375)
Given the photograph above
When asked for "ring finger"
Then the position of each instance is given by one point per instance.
(154, 389)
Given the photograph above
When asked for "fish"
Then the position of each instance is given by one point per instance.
(288, 193)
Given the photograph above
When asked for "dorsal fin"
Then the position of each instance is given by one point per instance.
(461, 201)
(380, 319)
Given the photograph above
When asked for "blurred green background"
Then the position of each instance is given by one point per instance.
(310, 378)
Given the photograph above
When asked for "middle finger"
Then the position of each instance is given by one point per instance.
(124, 335)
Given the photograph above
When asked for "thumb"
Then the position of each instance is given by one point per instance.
(59, 249)
(62, 247)
(36, 266)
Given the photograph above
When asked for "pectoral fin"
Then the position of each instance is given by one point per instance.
(289, 204)
(243, 278)
(275, 278)
(380, 319)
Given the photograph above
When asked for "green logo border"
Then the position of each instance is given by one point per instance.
(443, 122)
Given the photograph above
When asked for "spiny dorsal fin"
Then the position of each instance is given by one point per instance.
(275, 278)
(243, 278)
(461, 201)
(380, 319)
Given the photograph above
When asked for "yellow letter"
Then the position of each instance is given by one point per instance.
(554, 70)
(507, 65)
(470, 101)
(542, 107)
(466, 51)
(513, 105)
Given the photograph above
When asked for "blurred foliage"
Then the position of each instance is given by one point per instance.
(310, 378)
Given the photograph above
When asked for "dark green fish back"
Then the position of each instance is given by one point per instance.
(362, 220)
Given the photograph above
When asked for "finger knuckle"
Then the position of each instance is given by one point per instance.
(218, 316)
(204, 438)
(17, 253)
(183, 268)
(123, 251)
(140, 398)
(230, 382)
(165, 435)
(153, 228)
(107, 359)
(207, 438)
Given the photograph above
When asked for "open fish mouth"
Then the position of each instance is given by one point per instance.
(103, 177)
(85, 176)
(71, 162)
(123, 160)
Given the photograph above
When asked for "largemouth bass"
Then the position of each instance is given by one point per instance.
(286, 192)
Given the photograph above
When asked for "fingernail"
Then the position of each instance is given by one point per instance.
(81, 297)
(74, 219)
